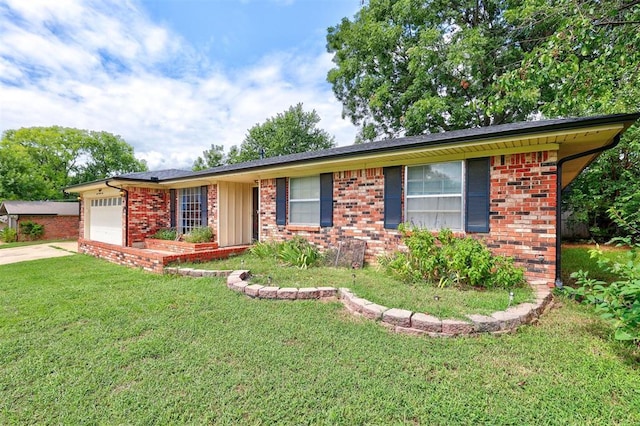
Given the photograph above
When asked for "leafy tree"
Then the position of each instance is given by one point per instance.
(210, 158)
(585, 60)
(107, 155)
(609, 181)
(411, 66)
(586, 63)
(37, 162)
(415, 66)
(289, 132)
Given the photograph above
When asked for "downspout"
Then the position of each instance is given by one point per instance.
(126, 211)
(613, 144)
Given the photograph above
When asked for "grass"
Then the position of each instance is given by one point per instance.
(576, 257)
(102, 344)
(373, 285)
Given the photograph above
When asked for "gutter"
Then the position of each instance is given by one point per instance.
(126, 210)
(613, 144)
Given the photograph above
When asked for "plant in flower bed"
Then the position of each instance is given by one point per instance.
(8, 235)
(445, 260)
(369, 283)
(31, 230)
(296, 252)
(202, 234)
(166, 234)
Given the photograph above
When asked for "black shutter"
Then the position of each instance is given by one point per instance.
(326, 199)
(392, 197)
(172, 208)
(477, 202)
(204, 205)
(281, 201)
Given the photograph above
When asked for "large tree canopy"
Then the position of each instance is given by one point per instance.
(586, 59)
(587, 63)
(411, 66)
(37, 162)
(416, 66)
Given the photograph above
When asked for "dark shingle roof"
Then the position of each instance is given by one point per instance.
(160, 174)
(410, 142)
(55, 208)
(479, 133)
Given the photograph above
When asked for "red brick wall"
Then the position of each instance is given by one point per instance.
(55, 227)
(148, 211)
(358, 206)
(523, 211)
(522, 218)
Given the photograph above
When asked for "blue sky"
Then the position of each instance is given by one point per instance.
(171, 77)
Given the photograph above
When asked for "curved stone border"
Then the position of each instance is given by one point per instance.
(400, 320)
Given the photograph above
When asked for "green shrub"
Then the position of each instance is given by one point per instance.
(445, 260)
(202, 234)
(32, 230)
(8, 235)
(264, 250)
(618, 302)
(296, 252)
(166, 234)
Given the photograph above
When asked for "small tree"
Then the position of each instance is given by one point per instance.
(290, 132)
(212, 157)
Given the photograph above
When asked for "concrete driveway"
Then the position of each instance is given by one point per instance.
(39, 251)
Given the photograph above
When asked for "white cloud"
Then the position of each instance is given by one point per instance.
(106, 66)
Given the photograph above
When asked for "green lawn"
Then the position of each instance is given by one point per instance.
(83, 341)
(374, 285)
(576, 256)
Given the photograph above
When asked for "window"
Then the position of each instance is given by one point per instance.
(304, 200)
(434, 195)
(189, 209)
(106, 202)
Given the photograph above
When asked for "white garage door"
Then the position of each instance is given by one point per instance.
(106, 220)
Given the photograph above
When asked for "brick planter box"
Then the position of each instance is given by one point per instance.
(178, 246)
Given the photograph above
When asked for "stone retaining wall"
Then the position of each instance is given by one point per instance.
(399, 320)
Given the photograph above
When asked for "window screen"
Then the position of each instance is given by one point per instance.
(434, 196)
(304, 200)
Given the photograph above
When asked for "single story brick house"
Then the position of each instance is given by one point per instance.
(59, 218)
(501, 184)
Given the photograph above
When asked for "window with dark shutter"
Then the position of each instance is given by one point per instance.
(477, 203)
(281, 201)
(392, 197)
(326, 199)
(172, 208)
(204, 204)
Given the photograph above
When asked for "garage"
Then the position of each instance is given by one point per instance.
(105, 220)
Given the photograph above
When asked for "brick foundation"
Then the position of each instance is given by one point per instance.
(147, 259)
(178, 246)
